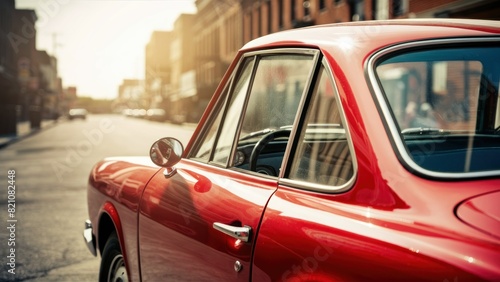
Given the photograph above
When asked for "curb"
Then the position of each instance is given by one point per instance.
(8, 140)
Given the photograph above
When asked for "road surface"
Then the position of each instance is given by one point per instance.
(43, 222)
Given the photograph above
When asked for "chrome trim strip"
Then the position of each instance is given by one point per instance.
(89, 238)
(234, 146)
(281, 51)
(396, 136)
(300, 111)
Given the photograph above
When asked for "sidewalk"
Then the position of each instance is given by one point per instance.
(24, 130)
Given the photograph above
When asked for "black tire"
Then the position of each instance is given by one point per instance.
(112, 262)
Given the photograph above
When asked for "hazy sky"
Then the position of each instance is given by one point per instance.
(99, 43)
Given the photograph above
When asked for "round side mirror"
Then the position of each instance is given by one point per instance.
(166, 152)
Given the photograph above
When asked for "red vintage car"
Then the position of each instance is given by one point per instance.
(366, 151)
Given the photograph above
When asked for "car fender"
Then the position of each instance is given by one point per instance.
(109, 210)
(113, 195)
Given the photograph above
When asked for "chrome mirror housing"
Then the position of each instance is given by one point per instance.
(166, 152)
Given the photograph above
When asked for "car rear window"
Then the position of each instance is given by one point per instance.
(444, 108)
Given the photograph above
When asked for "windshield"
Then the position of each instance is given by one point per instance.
(444, 103)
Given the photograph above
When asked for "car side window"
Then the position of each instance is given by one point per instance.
(323, 155)
(263, 99)
(276, 92)
(204, 149)
(202, 153)
(275, 95)
(233, 112)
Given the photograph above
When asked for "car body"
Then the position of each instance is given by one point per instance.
(77, 113)
(366, 151)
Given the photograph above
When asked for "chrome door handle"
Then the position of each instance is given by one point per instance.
(241, 233)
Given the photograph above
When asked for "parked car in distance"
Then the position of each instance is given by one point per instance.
(127, 112)
(363, 151)
(139, 113)
(156, 115)
(77, 113)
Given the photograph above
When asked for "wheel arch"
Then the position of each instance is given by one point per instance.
(109, 222)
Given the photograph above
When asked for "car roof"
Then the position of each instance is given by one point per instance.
(367, 36)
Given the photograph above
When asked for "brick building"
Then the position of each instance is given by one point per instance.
(183, 90)
(19, 73)
(474, 9)
(158, 69)
(49, 87)
(262, 17)
(8, 70)
(218, 30)
(221, 27)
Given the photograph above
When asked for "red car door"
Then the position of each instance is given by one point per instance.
(177, 237)
(201, 222)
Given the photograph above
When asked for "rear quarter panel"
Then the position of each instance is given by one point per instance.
(306, 236)
(391, 225)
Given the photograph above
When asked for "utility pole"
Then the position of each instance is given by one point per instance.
(54, 43)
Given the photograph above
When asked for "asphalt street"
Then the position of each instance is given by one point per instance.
(43, 181)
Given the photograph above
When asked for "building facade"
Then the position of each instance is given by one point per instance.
(218, 36)
(19, 70)
(8, 70)
(183, 92)
(261, 17)
(472, 9)
(158, 69)
(204, 44)
(30, 89)
(48, 85)
(131, 94)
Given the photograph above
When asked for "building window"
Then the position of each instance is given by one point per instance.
(292, 10)
(322, 5)
(398, 8)
(357, 10)
(307, 5)
(280, 16)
